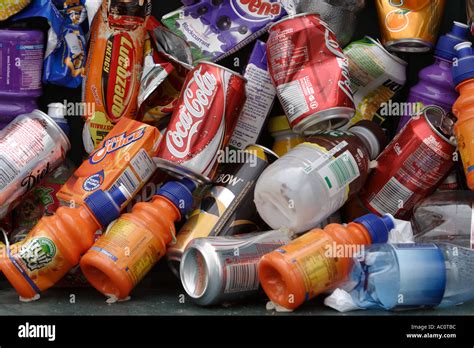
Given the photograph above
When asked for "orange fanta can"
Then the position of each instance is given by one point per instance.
(123, 158)
(54, 246)
(318, 261)
(410, 25)
(121, 258)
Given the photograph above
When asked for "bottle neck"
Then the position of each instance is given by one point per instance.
(167, 207)
(444, 63)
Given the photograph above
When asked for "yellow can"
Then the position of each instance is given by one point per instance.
(285, 138)
(410, 25)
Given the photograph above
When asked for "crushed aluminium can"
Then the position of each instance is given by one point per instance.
(228, 208)
(376, 76)
(203, 122)
(413, 165)
(410, 25)
(221, 269)
(31, 147)
(310, 73)
(217, 29)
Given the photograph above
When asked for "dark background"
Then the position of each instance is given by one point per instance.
(367, 25)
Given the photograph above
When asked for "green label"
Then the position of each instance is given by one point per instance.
(37, 253)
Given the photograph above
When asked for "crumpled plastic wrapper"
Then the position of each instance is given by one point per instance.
(340, 15)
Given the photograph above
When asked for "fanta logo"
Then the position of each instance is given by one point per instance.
(115, 143)
(198, 95)
(93, 182)
(257, 10)
(117, 77)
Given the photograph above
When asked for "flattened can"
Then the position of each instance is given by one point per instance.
(218, 269)
(203, 121)
(311, 74)
(31, 147)
(410, 25)
(228, 208)
(412, 166)
(376, 76)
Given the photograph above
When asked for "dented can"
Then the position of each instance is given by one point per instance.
(218, 269)
(413, 165)
(31, 147)
(410, 25)
(228, 208)
(310, 73)
(202, 122)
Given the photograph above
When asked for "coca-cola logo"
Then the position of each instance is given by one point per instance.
(197, 97)
(257, 10)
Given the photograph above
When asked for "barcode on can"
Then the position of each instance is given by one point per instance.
(339, 173)
(143, 165)
(293, 100)
(391, 198)
(8, 172)
(129, 180)
(241, 277)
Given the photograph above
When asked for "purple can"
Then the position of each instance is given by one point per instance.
(21, 67)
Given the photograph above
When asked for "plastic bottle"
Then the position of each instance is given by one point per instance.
(57, 112)
(56, 243)
(407, 276)
(319, 260)
(285, 138)
(436, 86)
(136, 242)
(445, 217)
(463, 76)
(316, 178)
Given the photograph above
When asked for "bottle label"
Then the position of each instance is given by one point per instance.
(134, 249)
(39, 260)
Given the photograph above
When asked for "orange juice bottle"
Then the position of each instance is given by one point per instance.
(463, 76)
(119, 260)
(54, 246)
(318, 261)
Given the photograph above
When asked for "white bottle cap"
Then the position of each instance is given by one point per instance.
(56, 110)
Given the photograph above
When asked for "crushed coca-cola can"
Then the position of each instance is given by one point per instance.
(202, 123)
(310, 73)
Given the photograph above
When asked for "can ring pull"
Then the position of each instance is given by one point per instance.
(396, 3)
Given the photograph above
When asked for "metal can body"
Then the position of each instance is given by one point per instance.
(31, 147)
(376, 75)
(203, 122)
(228, 207)
(310, 73)
(414, 164)
(218, 269)
(410, 26)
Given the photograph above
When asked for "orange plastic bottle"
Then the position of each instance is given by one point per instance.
(318, 261)
(119, 260)
(56, 243)
(463, 76)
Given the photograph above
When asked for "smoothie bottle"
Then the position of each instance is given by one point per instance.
(436, 86)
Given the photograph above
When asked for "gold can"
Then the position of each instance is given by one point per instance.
(410, 25)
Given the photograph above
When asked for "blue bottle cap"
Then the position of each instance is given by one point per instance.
(463, 67)
(106, 206)
(378, 227)
(445, 46)
(180, 193)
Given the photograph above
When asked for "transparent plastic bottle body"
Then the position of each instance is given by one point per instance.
(409, 276)
(445, 217)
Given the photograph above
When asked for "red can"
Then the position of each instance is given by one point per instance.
(203, 121)
(310, 73)
(414, 164)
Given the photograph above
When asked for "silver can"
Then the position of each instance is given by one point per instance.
(223, 269)
(31, 147)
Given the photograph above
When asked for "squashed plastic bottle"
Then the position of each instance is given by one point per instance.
(409, 276)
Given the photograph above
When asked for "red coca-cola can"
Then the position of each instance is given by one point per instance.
(203, 121)
(310, 73)
(413, 165)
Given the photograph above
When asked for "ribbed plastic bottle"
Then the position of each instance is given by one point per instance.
(55, 245)
(137, 241)
(436, 86)
(318, 261)
(409, 276)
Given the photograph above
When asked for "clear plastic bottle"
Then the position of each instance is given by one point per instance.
(445, 217)
(408, 276)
